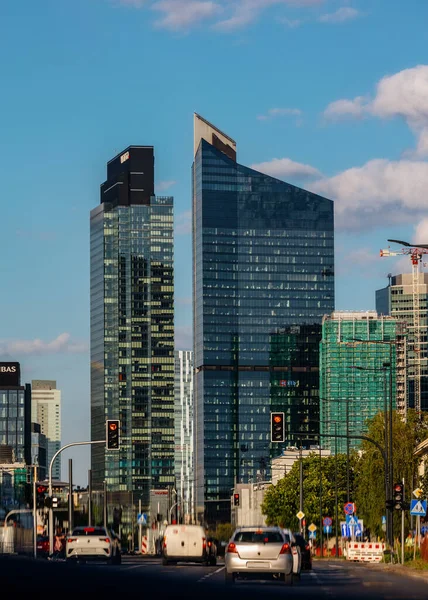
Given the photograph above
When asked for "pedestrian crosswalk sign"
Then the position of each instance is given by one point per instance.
(418, 507)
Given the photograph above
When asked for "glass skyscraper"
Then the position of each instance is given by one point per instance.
(132, 328)
(263, 260)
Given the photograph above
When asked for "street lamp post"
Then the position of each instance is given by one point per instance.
(390, 449)
(387, 475)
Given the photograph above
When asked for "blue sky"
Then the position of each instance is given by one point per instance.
(330, 95)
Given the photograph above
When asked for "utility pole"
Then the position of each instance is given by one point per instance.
(301, 483)
(34, 511)
(70, 495)
(402, 526)
(335, 489)
(89, 497)
(140, 527)
(105, 503)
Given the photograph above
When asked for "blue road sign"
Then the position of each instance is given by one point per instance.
(351, 520)
(418, 507)
(327, 528)
(424, 529)
(383, 520)
(142, 519)
(345, 530)
(312, 535)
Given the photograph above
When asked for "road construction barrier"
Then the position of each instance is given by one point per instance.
(365, 551)
(144, 545)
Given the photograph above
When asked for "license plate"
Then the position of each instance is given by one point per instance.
(257, 564)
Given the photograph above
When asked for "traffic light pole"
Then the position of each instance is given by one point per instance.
(51, 520)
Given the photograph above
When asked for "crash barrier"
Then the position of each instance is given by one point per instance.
(365, 551)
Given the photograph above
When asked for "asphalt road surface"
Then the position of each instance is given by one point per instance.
(27, 578)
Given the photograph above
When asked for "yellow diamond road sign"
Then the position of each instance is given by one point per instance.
(300, 515)
(312, 527)
(417, 493)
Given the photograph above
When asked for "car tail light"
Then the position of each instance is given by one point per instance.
(210, 544)
(107, 540)
(285, 549)
(69, 540)
(307, 547)
(232, 548)
(204, 543)
(164, 543)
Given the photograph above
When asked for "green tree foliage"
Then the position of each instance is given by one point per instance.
(281, 502)
(370, 471)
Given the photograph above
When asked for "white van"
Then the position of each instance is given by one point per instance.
(187, 543)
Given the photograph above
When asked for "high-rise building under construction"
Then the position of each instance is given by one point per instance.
(398, 300)
(362, 371)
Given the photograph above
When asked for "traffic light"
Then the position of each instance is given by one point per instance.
(236, 499)
(112, 435)
(398, 496)
(277, 427)
(54, 502)
(40, 495)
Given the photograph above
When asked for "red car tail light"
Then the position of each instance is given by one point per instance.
(69, 540)
(204, 543)
(232, 548)
(164, 543)
(285, 549)
(107, 540)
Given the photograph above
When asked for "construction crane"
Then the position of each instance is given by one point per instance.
(416, 252)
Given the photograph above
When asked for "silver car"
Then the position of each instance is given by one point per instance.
(259, 553)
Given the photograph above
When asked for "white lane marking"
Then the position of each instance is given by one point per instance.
(208, 575)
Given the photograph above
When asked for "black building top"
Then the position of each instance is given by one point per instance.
(130, 177)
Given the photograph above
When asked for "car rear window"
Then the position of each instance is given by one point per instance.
(89, 531)
(254, 537)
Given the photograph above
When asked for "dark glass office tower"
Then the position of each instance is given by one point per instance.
(132, 328)
(263, 253)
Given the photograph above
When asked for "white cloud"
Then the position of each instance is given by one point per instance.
(285, 167)
(340, 109)
(182, 14)
(162, 186)
(421, 232)
(183, 223)
(345, 13)
(61, 344)
(291, 23)
(404, 94)
(280, 112)
(378, 193)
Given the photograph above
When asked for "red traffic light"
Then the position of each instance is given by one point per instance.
(112, 426)
(398, 487)
(277, 419)
(41, 489)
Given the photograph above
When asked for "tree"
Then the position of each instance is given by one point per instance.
(281, 501)
(370, 470)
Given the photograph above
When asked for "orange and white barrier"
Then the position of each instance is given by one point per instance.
(144, 545)
(365, 551)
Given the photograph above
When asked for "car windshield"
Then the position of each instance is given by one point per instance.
(255, 537)
(89, 531)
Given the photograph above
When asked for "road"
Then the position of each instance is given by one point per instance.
(329, 579)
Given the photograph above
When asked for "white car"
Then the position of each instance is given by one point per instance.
(295, 551)
(259, 553)
(92, 543)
